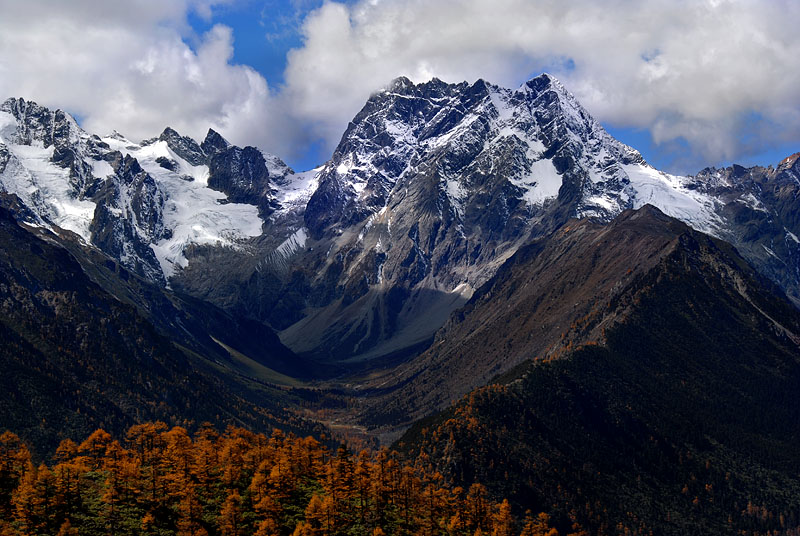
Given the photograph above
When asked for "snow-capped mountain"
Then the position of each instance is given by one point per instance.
(434, 185)
(141, 203)
(431, 188)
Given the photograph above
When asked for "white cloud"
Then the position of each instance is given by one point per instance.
(691, 69)
(711, 72)
(129, 67)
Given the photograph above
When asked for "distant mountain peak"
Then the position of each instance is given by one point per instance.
(214, 142)
(542, 81)
(401, 83)
(18, 106)
(789, 162)
(184, 146)
(116, 135)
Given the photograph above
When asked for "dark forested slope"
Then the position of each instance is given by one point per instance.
(74, 357)
(681, 417)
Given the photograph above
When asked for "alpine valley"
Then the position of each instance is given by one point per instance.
(481, 276)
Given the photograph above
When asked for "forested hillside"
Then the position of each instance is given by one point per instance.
(683, 418)
(75, 357)
(164, 481)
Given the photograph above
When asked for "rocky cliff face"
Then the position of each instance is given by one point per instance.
(456, 175)
(141, 203)
(432, 187)
(760, 209)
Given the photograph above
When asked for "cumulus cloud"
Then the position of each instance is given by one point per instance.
(707, 72)
(135, 67)
(718, 76)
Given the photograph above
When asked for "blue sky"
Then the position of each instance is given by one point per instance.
(263, 32)
(689, 83)
(668, 155)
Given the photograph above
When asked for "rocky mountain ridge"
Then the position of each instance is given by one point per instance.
(566, 291)
(87, 344)
(141, 203)
(654, 389)
(432, 187)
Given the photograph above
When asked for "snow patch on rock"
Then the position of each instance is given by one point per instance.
(45, 188)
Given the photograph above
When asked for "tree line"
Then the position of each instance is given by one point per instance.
(162, 481)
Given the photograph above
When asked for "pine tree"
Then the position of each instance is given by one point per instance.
(67, 529)
(230, 518)
(15, 461)
(46, 496)
(179, 452)
(331, 524)
(538, 526)
(67, 451)
(34, 501)
(502, 522)
(267, 527)
(302, 529)
(67, 474)
(25, 503)
(456, 524)
(94, 448)
(281, 478)
(190, 515)
(148, 446)
(234, 446)
(361, 475)
(121, 483)
(6, 529)
(477, 507)
(268, 509)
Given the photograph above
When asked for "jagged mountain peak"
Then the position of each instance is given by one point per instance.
(144, 203)
(214, 142)
(168, 133)
(544, 82)
(120, 137)
(402, 85)
(35, 123)
(470, 125)
(399, 84)
(472, 93)
(184, 146)
(20, 108)
(790, 164)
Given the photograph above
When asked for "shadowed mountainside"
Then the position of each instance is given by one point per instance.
(672, 409)
(552, 295)
(75, 358)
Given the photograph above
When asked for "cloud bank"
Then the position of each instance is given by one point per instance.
(712, 73)
(719, 76)
(135, 67)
